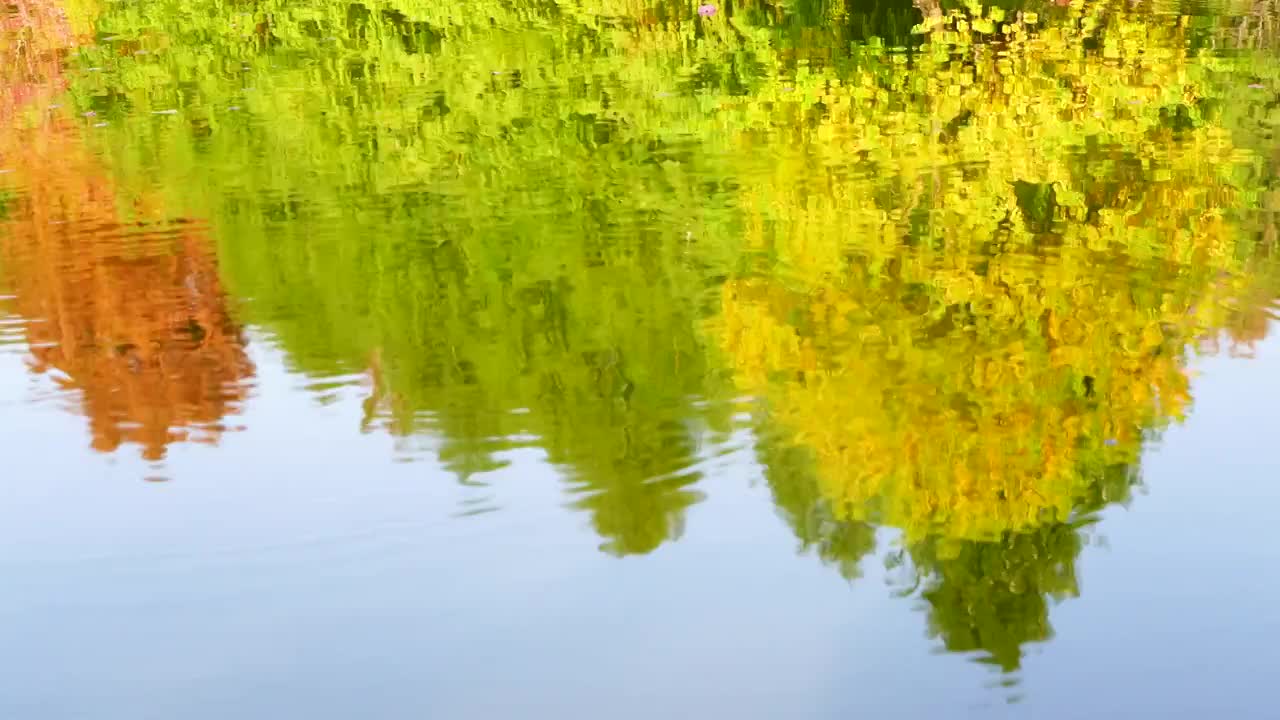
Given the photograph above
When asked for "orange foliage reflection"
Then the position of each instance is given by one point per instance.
(130, 315)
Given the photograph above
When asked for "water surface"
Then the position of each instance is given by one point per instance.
(626, 358)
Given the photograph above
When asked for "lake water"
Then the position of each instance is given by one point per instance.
(638, 358)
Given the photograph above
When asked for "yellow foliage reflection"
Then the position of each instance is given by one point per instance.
(982, 276)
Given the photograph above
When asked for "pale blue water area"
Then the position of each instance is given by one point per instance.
(608, 359)
(285, 575)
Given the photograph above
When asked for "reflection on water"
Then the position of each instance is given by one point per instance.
(960, 269)
(129, 317)
(127, 314)
(974, 346)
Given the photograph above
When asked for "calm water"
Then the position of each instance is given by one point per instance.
(631, 358)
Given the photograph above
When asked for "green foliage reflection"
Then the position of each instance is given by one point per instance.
(960, 255)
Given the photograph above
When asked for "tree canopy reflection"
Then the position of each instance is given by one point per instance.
(125, 311)
(960, 256)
